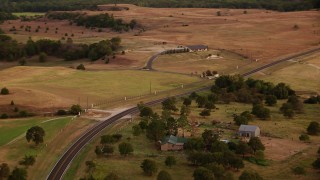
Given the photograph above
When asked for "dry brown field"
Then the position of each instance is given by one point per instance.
(259, 34)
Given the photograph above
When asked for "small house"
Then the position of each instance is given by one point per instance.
(249, 131)
(194, 48)
(172, 143)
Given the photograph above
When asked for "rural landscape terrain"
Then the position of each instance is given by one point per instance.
(162, 90)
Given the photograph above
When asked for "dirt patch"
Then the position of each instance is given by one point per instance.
(281, 149)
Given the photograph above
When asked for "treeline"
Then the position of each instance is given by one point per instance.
(7, 16)
(95, 21)
(11, 50)
(68, 5)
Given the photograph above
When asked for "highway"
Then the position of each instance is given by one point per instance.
(63, 163)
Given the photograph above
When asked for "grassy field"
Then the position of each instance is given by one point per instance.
(59, 133)
(197, 62)
(28, 14)
(301, 74)
(58, 86)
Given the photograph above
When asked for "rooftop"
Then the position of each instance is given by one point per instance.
(248, 128)
(196, 47)
(173, 140)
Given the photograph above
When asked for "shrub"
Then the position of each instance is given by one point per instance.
(61, 112)
(164, 175)
(313, 128)
(81, 67)
(149, 167)
(304, 137)
(202, 174)
(125, 148)
(42, 57)
(299, 170)
(170, 161)
(4, 91)
(4, 116)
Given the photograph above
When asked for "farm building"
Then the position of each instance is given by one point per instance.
(172, 143)
(249, 131)
(194, 48)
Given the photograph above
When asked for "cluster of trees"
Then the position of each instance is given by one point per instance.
(157, 126)
(7, 16)
(95, 21)
(12, 50)
(106, 146)
(215, 156)
(68, 5)
(292, 106)
(17, 113)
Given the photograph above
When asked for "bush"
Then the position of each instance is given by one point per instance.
(81, 67)
(149, 167)
(75, 109)
(4, 91)
(202, 174)
(164, 175)
(313, 128)
(28, 161)
(4, 116)
(299, 170)
(170, 161)
(125, 148)
(42, 57)
(304, 137)
(246, 175)
(61, 112)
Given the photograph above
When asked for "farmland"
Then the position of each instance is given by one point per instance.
(239, 40)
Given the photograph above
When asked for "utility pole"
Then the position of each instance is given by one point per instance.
(150, 88)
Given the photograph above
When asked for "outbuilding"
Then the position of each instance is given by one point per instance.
(249, 131)
(194, 48)
(172, 143)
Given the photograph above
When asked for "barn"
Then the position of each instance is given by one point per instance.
(249, 131)
(172, 143)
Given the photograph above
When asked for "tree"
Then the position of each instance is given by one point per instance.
(108, 149)
(209, 137)
(282, 91)
(31, 48)
(238, 120)
(260, 111)
(169, 104)
(35, 134)
(313, 128)
(256, 144)
(164, 175)
(304, 137)
(112, 176)
(156, 130)
(193, 95)
(271, 100)
(210, 105)
(136, 130)
(107, 139)
(201, 101)
(247, 175)
(18, 174)
(182, 122)
(146, 112)
(98, 151)
(185, 110)
(205, 112)
(194, 144)
(187, 101)
(243, 148)
(149, 167)
(236, 162)
(217, 169)
(4, 171)
(219, 146)
(297, 105)
(125, 148)
(91, 166)
(170, 161)
(202, 173)
(28, 161)
(259, 155)
(81, 67)
(42, 57)
(4, 91)
(75, 109)
(316, 163)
